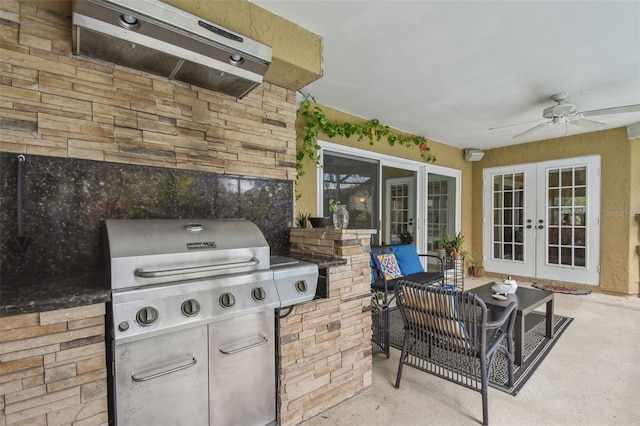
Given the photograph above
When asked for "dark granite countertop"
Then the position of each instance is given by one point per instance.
(322, 261)
(39, 293)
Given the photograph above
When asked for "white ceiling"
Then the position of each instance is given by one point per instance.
(450, 70)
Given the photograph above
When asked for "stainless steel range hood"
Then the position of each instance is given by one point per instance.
(154, 37)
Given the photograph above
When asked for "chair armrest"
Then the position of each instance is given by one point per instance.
(508, 314)
(502, 319)
(380, 275)
(440, 259)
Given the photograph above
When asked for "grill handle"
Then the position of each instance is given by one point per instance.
(262, 340)
(164, 373)
(141, 273)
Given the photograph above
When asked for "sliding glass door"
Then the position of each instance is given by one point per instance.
(399, 206)
(392, 195)
(441, 209)
(354, 182)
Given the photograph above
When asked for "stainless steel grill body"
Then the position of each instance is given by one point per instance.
(193, 320)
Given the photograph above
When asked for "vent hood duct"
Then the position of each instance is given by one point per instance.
(154, 37)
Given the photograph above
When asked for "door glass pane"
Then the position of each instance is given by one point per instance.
(441, 207)
(508, 218)
(354, 183)
(566, 230)
(399, 206)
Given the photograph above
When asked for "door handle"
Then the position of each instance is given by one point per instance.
(191, 363)
(141, 273)
(229, 351)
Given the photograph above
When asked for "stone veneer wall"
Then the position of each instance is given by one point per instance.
(54, 104)
(325, 345)
(53, 369)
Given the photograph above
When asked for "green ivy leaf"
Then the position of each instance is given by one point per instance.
(371, 130)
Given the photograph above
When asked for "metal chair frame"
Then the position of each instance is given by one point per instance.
(447, 333)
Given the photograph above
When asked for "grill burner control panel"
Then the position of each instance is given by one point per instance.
(296, 282)
(158, 309)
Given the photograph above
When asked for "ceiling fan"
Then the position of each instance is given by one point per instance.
(566, 112)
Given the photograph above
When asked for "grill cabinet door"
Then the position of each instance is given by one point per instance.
(158, 382)
(242, 370)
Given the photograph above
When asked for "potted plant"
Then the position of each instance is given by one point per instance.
(377, 298)
(456, 242)
(302, 220)
(452, 244)
(405, 237)
(475, 267)
(445, 244)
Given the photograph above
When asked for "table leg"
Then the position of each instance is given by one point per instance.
(519, 339)
(550, 319)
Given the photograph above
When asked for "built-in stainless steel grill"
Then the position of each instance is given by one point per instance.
(193, 320)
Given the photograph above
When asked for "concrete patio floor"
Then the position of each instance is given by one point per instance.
(590, 377)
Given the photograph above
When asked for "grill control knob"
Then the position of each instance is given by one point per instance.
(190, 308)
(258, 294)
(301, 286)
(147, 316)
(227, 300)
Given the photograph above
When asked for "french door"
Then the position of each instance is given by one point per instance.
(542, 220)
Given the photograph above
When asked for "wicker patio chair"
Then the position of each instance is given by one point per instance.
(447, 333)
(433, 275)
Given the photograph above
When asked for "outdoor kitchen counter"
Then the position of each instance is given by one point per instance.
(321, 261)
(40, 293)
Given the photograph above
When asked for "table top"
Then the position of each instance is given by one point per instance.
(527, 298)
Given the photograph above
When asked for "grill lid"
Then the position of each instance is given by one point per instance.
(151, 251)
(139, 237)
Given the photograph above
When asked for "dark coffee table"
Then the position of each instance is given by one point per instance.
(528, 299)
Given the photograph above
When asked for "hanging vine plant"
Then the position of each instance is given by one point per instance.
(372, 130)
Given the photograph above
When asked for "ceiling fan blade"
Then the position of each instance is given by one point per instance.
(590, 124)
(517, 124)
(614, 110)
(533, 129)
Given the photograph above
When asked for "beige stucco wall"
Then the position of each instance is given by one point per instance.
(616, 153)
(634, 218)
